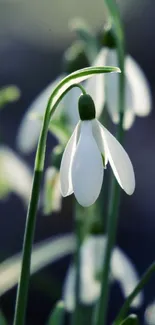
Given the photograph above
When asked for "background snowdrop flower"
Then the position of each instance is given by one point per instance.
(122, 270)
(29, 129)
(137, 92)
(150, 314)
(15, 176)
(82, 165)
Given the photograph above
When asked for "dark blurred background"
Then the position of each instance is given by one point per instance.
(33, 36)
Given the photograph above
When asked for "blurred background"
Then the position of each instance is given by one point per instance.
(33, 36)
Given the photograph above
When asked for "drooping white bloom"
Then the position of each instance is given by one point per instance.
(82, 166)
(15, 175)
(122, 270)
(150, 314)
(137, 92)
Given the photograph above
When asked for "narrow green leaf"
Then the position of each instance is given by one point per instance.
(130, 320)
(44, 253)
(2, 319)
(124, 310)
(57, 315)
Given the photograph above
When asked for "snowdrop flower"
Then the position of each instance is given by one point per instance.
(150, 314)
(137, 93)
(15, 176)
(29, 129)
(122, 270)
(87, 153)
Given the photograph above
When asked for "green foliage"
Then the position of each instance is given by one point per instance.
(130, 320)
(57, 315)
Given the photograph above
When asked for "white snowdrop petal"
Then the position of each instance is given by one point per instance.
(150, 314)
(124, 271)
(95, 85)
(28, 133)
(66, 163)
(112, 93)
(70, 106)
(112, 87)
(69, 289)
(87, 167)
(90, 266)
(119, 161)
(99, 140)
(15, 173)
(129, 118)
(140, 88)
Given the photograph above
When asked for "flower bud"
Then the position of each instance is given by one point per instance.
(86, 108)
(107, 37)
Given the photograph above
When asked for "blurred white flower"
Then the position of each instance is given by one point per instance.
(137, 92)
(52, 198)
(15, 175)
(86, 155)
(92, 255)
(150, 314)
(29, 129)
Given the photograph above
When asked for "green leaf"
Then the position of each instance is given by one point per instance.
(44, 253)
(52, 198)
(57, 315)
(60, 130)
(74, 78)
(2, 319)
(130, 320)
(145, 278)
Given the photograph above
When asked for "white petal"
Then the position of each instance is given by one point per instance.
(95, 86)
(69, 289)
(66, 163)
(150, 314)
(70, 106)
(140, 88)
(124, 271)
(129, 118)
(99, 139)
(87, 167)
(112, 93)
(112, 87)
(119, 161)
(91, 264)
(44, 253)
(15, 173)
(29, 129)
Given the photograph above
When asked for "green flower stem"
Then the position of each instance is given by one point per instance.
(114, 203)
(21, 300)
(22, 292)
(145, 278)
(76, 314)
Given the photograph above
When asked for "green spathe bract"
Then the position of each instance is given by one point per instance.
(86, 108)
